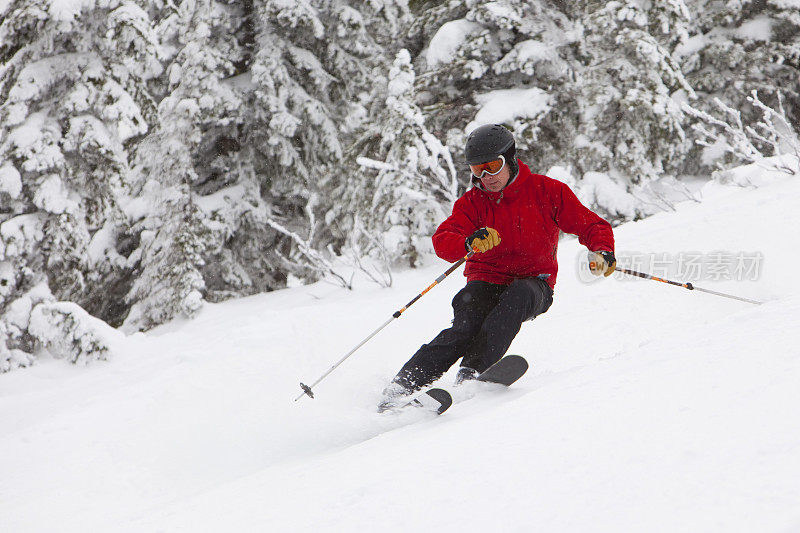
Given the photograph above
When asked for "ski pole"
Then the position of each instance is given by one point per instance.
(684, 285)
(307, 388)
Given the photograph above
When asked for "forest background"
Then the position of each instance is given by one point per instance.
(159, 154)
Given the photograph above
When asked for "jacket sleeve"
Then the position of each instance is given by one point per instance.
(573, 217)
(448, 241)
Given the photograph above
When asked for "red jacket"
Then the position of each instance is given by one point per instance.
(527, 214)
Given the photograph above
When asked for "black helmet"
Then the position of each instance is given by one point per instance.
(489, 142)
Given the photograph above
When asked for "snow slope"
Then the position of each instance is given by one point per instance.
(647, 408)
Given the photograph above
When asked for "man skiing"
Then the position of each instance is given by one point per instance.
(511, 219)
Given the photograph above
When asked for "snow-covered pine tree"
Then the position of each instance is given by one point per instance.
(245, 154)
(771, 143)
(628, 92)
(73, 93)
(734, 49)
(290, 136)
(310, 77)
(588, 85)
(407, 182)
(179, 228)
(482, 62)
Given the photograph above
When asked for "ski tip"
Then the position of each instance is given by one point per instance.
(506, 371)
(518, 358)
(441, 396)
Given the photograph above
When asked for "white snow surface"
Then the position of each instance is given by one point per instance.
(506, 105)
(448, 39)
(66, 10)
(647, 407)
(10, 181)
(758, 29)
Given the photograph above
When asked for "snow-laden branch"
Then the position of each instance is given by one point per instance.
(372, 272)
(746, 142)
(315, 260)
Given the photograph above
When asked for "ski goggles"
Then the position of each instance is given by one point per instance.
(490, 167)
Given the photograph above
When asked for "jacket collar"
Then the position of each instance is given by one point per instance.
(512, 188)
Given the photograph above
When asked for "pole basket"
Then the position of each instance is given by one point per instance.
(306, 390)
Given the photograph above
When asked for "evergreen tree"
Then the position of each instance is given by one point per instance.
(248, 147)
(178, 231)
(311, 77)
(630, 122)
(588, 85)
(738, 47)
(407, 182)
(73, 95)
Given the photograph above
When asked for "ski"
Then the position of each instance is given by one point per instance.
(506, 371)
(435, 400)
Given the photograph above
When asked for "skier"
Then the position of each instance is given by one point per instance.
(511, 219)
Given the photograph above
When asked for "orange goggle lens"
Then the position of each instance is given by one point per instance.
(490, 167)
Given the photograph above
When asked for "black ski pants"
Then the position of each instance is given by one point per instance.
(486, 318)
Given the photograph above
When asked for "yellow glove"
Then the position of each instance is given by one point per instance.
(602, 262)
(483, 240)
